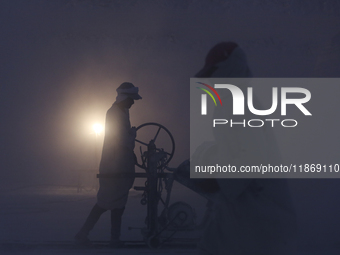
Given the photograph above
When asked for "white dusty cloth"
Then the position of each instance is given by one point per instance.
(250, 216)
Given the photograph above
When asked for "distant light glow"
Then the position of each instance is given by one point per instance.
(97, 128)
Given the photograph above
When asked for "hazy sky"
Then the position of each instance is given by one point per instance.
(61, 62)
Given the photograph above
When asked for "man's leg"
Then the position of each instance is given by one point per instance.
(81, 236)
(116, 223)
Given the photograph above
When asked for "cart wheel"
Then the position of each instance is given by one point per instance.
(153, 242)
(162, 138)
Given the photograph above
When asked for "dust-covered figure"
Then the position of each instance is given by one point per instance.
(117, 157)
(250, 216)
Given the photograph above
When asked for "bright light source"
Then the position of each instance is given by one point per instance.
(97, 128)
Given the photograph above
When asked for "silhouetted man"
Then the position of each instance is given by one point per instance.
(117, 157)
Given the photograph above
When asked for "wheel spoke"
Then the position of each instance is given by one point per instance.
(141, 142)
(163, 151)
(159, 129)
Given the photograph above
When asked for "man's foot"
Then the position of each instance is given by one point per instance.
(116, 243)
(82, 239)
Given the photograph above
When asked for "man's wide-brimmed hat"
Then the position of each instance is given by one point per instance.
(127, 90)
